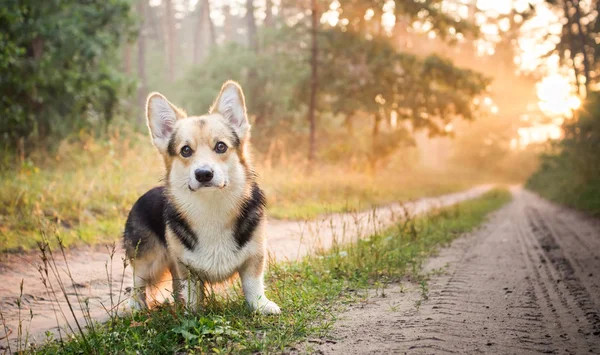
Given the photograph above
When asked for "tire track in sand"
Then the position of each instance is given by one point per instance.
(525, 283)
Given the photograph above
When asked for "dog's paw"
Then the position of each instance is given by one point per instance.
(267, 307)
(270, 308)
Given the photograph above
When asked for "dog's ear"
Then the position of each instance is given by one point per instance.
(161, 115)
(231, 104)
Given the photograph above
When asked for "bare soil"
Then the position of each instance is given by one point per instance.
(103, 283)
(526, 282)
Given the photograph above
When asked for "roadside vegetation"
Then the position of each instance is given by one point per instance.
(310, 292)
(570, 172)
(85, 189)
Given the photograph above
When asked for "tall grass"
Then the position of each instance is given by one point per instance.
(87, 186)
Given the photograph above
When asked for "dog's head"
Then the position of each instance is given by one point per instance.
(202, 152)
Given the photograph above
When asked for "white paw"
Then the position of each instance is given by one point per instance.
(266, 307)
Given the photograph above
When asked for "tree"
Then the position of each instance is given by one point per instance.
(59, 63)
(268, 13)
(251, 26)
(141, 65)
(312, 106)
(170, 39)
(205, 29)
(578, 46)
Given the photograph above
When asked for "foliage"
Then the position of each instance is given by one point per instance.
(578, 46)
(370, 75)
(570, 173)
(57, 65)
(310, 292)
(269, 79)
(430, 11)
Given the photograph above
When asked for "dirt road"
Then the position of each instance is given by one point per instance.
(90, 267)
(527, 282)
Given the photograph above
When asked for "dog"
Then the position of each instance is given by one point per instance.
(208, 220)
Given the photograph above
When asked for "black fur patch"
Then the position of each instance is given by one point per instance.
(179, 226)
(145, 216)
(251, 214)
(172, 144)
(236, 139)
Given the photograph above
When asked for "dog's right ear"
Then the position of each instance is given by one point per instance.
(161, 115)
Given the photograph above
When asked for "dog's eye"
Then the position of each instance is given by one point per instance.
(186, 151)
(220, 147)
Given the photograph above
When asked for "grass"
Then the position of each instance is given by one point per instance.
(310, 293)
(563, 187)
(87, 187)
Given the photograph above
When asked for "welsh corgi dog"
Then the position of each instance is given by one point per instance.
(207, 221)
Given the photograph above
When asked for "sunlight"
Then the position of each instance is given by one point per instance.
(556, 97)
(536, 134)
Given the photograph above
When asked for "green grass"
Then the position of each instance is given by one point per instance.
(85, 189)
(310, 292)
(562, 188)
(560, 183)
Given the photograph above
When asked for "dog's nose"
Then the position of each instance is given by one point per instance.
(203, 175)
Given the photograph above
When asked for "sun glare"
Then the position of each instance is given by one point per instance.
(556, 96)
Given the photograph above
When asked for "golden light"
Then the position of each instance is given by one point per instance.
(332, 16)
(556, 96)
(536, 134)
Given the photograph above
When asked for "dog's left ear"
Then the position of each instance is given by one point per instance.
(231, 104)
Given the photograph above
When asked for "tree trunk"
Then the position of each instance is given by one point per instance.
(313, 83)
(251, 23)
(211, 25)
(583, 39)
(199, 43)
(376, 129)
(269, 13)
(127, 58)
(141, 65)
(228, 24)
(572, 44)
(170, 39)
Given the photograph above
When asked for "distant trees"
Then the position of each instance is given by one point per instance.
(579, 45)
(299, 71)
(353, 72)
(57, 65)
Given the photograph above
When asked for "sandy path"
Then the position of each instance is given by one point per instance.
(527, 282)
(287, 241)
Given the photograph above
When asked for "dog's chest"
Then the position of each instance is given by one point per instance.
(216, 255)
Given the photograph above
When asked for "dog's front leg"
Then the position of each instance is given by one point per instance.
(252, 275)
